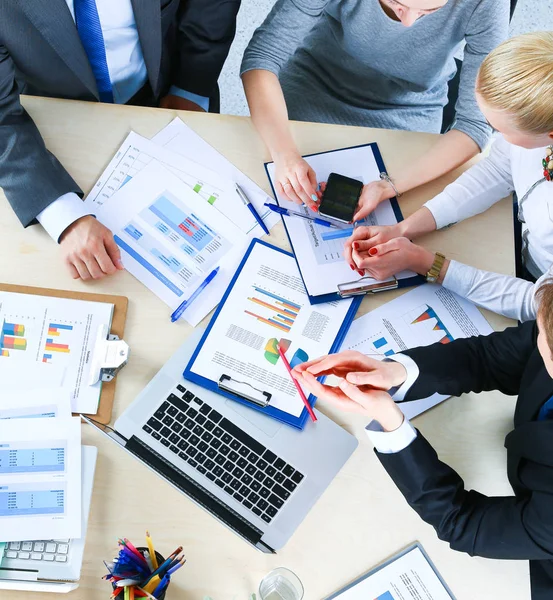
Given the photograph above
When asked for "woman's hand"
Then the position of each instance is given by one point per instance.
(296, 180)
(385, 260)
(356, 368)
(357, 392)
(372, 195)
(364, 238)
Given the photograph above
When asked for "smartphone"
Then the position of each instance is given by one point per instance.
(340, 198)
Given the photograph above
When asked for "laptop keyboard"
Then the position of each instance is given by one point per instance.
(47, 550)
(219, 450)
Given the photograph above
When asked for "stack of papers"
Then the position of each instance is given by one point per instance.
(175, 214)
(40, 467)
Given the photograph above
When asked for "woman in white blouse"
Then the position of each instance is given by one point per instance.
(515, 92)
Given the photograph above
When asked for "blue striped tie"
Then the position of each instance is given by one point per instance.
(546, 411)
(90, 32)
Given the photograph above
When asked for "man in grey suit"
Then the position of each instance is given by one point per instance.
(166, 53)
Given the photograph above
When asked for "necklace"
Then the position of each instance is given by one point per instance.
(547, 163)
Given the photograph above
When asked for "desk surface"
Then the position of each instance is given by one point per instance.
(362, 518)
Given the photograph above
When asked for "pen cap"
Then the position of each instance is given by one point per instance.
(160, 561)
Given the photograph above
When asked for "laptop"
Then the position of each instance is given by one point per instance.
(50, 565)
(257, 476)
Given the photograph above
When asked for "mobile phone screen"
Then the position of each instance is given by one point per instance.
(340, 197)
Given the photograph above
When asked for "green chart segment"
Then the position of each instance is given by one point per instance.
(198, 188)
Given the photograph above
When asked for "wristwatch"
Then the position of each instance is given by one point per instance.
(433, 274)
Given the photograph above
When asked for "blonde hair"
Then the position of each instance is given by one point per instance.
(517, 77)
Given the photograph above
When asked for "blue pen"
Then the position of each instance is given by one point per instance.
(178, 313)
(247, 203)
(292, 213)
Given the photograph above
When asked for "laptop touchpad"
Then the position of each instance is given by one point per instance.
(268, 426)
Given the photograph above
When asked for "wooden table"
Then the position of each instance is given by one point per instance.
(362, 518)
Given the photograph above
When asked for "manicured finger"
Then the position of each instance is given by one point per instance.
(289, 193)
(302, 187)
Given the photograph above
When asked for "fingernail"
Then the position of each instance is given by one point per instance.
(355, 245)
(373, 251)
(352, 267)
(360, 272)
(353, 378)
(314, 197)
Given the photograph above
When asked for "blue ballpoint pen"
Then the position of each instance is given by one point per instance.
(178, 313)
(292, 213)
(247, 203)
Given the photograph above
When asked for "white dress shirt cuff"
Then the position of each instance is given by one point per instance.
(390, 442)
(64, 211)
(410, 365)
(441, 208)
(201, 101)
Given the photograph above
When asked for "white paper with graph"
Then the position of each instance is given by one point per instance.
(426, 315)
(268, 306)
(137, 152)
(57, 333)
(320, 250)
(170, 241)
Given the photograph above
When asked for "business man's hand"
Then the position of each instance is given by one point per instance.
(89, 250)
(178, 103)
(362, 385)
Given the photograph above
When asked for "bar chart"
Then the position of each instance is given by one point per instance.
(53, 343)
(12, 338)
(273, 310)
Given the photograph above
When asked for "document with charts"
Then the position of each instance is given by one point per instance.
(320, 250)
(170, 241)
(57, 333)
(40, 479)
(181, 139)
(266, 306)
(426, 315)
(137, 152)
(410, 575)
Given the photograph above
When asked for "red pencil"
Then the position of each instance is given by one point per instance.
(296, 383)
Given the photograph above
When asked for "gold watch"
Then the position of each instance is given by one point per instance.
(433, 274)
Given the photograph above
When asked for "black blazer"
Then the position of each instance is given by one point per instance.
(511, 527)
(184, 43)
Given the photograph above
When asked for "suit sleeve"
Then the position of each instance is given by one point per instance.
(503, 527)
(475, 364)
(31, 176)
(206, 29)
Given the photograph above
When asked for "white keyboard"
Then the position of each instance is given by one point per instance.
(47, 550)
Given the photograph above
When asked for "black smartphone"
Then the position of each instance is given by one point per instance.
(340, 198)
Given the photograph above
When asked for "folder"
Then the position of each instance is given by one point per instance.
(359, 162)
(217, 360)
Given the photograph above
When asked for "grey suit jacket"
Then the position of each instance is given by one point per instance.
(184, 43)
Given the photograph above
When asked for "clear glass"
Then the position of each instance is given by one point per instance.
(281, 584)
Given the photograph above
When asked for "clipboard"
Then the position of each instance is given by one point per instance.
(362, 286)
(120, 305)
(243, 392)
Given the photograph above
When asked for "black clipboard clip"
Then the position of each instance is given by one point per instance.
(358, 288)
(244, 390)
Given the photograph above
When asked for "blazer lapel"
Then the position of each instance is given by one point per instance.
(532, 397)
(147, 15)
(54, 22)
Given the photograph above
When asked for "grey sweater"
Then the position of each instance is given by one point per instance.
(348, 62)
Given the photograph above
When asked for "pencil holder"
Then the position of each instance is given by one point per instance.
(160, 561)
